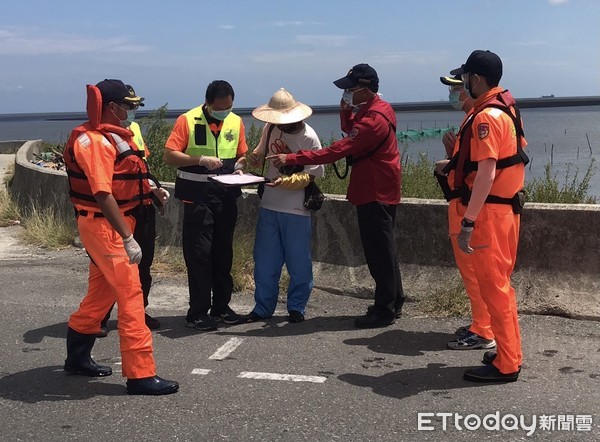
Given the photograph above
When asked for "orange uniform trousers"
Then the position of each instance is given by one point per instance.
(495, 240)
(481, 323)
(112, 278)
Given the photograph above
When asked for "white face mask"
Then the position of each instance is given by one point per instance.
(347, 96)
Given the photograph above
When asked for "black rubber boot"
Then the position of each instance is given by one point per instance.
(79, 359)
(152, 386)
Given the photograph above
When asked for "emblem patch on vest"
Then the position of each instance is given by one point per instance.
(483, 130)
(229, 135)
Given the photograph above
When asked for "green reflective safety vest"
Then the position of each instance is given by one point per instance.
(137, 137)
(192, 183)
(201, 140)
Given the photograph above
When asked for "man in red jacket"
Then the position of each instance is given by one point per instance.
(374, 186)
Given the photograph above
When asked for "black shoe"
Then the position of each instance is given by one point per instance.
(251, 317)
(204, 322)
(151, 323)
(103, 330)
(489, 373)
(488, 357)
(397, 312)
(153, 386)
(295, 316)
(227, 316)
(373, 320)
(79, 359)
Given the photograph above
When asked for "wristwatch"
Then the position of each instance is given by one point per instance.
(467, 223)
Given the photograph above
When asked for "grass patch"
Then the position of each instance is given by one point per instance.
(168, 260)
(49, 229)
(448, 301)
(9, 211)
(242, 268)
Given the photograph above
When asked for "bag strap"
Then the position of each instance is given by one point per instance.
(269, 132)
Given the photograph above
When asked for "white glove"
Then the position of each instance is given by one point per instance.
(464, 238)
(440, 165)
(133, 250)
(162, 194)
(211, 163)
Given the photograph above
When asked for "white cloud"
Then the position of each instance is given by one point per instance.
(227, 27)
(324, 40)
(22, 42)
(558, 2)
(286, 23)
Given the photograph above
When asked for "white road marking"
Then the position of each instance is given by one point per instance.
(226, 349)
(281, 377)
(201, 371)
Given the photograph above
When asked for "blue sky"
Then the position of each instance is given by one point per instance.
(170, 50)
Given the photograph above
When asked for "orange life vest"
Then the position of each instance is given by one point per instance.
(130, 186)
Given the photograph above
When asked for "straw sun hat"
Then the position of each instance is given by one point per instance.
(282, 108)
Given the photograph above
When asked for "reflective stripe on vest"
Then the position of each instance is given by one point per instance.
(130, 186)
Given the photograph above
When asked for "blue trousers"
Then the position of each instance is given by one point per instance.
(282, 238)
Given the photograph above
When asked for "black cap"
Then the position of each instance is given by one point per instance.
(360, 75)
(116, 91)
(452, 81)
(484, 63)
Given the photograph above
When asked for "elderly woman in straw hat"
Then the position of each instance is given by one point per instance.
(284, 229)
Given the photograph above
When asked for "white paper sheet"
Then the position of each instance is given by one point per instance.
(238, 180)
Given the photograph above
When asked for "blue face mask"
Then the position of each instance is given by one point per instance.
(220, 115)
(455, 102)
(130, 117)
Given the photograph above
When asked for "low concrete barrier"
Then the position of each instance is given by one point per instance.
(557, 271)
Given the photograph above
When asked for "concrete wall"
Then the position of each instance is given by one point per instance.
(557, 271)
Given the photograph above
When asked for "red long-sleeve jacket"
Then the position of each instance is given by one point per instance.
(376, 172)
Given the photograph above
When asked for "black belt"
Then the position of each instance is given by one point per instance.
(101, 215)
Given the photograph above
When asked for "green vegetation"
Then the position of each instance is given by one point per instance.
(9, 211)
(156, 131)
(418, 180)
(449, 301)
(48, 229)
(572, 191)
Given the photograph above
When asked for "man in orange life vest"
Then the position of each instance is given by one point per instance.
(108, 179)
(145, 222)
(486, 174)
(478, 334)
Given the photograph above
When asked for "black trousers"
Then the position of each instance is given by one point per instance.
(208, 252)
(376, 225)
(145, 235)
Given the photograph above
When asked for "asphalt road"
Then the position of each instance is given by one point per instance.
(320, 380)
